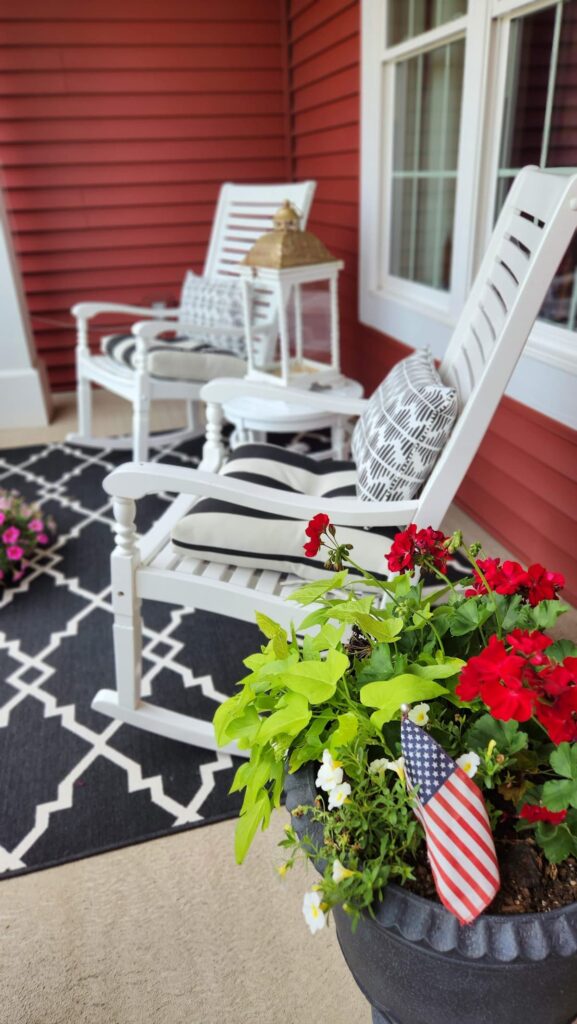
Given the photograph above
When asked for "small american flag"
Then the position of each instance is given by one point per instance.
(452, 811)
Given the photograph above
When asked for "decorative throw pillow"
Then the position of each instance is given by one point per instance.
(404, 429)
(215, 302)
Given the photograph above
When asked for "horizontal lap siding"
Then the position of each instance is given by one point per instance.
(118, 124)
(522, 486)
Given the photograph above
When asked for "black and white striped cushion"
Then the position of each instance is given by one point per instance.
(400, 436)
(220, 532)
(177, 359)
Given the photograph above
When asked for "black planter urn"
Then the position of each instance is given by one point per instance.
(416, 964)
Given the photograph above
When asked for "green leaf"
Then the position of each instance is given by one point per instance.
(442, 670)
(292, 716)
(247, 825)
(245, 726)
(556, 841)
(508, 737)
(316, 680)
(384, 630)
(465, 618)
(241, 777)
(562, 649)
(328, 637)
(388, 695)
(379, 665)
(546, 613)
(558, 794)
(313, 591)
(269, 627)
(227, 713)
(564, 760)
(346, 731)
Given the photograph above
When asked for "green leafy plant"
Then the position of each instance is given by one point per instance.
(476, 667)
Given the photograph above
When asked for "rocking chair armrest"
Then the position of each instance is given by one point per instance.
(148, 330)
(88, 310)
(224, 389)
(134, 480)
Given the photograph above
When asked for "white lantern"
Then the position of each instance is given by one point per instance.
(303, 276)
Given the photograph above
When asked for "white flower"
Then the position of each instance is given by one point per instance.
(338, 795)
(340, 872)
(315, 917)
(469, 763)
(330, 773)
(381, 765)
(419, 714)
(398, 766)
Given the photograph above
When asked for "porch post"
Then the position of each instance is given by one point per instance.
(24, 394)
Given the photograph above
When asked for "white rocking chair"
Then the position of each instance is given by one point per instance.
(243, 213)
(529, 240)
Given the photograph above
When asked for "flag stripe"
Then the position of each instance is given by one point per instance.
(469, 896)
(476, 870)
(469, 794)
(462, 831)
(449, 895)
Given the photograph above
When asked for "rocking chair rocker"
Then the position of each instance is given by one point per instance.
(529, 240)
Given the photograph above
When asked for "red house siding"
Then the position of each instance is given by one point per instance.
(523, 484)
(118, 123)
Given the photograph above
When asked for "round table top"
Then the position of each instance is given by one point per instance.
(267, 414)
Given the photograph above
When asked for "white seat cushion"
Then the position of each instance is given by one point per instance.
(217, 531)
(172, 360)
(401, 434)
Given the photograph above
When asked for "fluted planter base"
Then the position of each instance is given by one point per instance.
(417, 965)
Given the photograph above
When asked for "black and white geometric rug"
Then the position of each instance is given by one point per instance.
(72, 781)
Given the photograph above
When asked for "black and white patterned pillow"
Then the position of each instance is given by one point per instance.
(215, 302)
(404, 429)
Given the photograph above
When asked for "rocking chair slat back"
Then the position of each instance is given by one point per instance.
(528, 243)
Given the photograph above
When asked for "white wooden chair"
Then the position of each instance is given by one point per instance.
(243, 213)
(529, 240)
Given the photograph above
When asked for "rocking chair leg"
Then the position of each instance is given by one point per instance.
(84, 404)
(125, 703)
(141, 428)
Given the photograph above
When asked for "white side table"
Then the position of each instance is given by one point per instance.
(254, 418)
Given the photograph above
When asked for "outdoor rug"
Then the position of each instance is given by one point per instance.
(74, 782)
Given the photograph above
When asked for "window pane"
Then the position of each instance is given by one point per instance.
(425, 149)
(408, 18)
(539, 120)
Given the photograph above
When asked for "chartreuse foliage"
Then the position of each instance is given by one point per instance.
(310, 696)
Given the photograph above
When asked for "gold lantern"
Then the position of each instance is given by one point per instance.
(278, 272)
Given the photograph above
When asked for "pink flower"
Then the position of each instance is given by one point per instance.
(2, 518)
(11, 535)
(18, 575)
(42, 538)
(1, 574)
(37, 525)
(14, 553)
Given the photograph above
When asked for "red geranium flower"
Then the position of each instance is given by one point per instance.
(533, 813)
(490, 567)
(314, 531)
(560, 718)
(496, 677)
(401, 557)
(530, 643)
(542, 585)
(411, 547)
(511, 578)
(431, 543)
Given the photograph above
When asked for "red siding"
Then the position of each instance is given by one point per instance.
(118, 123)
(523, 485)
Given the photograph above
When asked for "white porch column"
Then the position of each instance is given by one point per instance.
(24, 394)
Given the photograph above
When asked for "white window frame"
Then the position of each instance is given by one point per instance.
(414, 313)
